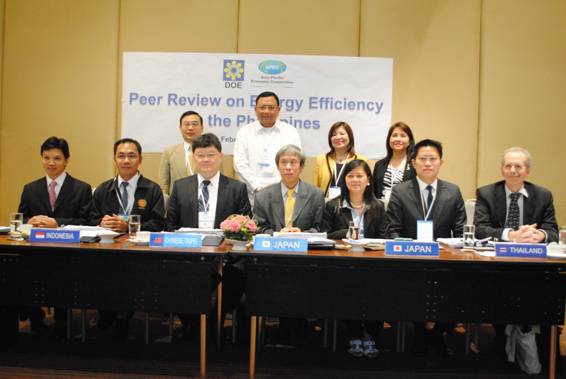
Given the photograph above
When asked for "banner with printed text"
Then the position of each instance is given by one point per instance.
(315, 92)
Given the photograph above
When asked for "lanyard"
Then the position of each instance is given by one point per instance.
(429, 207)
(337, 178)
(201, 198)
(125, 211)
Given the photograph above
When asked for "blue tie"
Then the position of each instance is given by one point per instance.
(203, 200)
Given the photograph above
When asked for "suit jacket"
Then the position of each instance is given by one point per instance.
(491, 210)
(405, 208)
(173, 167)
(336, 220)
(148, 203)
(324, 170)
(379, 173)
(269, 208)
(71, 207)
(182, 210)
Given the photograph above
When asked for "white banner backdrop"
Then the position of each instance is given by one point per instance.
(315, 92)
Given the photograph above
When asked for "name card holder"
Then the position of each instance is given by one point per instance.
(176, 240)
(412, 248)
(279, 245)
(520, 250)
(54, 235)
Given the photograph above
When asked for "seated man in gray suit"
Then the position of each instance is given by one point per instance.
(515, 210)
(204, 200)
(427, 198)
(290, 205)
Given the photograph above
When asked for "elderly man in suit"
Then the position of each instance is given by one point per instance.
(54, 200)
(427, 198)
(289, 206)
(204, 200)
(515, 210)
(177, 161)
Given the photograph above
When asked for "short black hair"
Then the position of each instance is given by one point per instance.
(267, 94)
(428, 143)
(55, 143)
(127, 140)
(190, 113)
(207, 140)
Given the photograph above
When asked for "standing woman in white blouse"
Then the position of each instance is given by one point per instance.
(396, 166)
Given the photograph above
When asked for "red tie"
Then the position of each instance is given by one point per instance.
(52, 194)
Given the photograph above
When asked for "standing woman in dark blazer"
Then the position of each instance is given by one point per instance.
(396, 166)
(357, 203)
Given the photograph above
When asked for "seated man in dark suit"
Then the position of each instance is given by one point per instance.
(54, 200)
(116, 199)
(289, 206)
(515, 210)
(427, 198)
(204, 200)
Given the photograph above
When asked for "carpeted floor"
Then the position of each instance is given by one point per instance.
(103, 357)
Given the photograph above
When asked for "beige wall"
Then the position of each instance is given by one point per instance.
(477, 75)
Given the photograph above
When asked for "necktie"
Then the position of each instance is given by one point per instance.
(52, 194)
(513, 212)
(203, 200)
(125, 197)
(289, 207)
(428, 199)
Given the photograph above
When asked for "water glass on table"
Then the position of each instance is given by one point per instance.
(134, 224)
(562, 236)
(16, 221)
(469, 235)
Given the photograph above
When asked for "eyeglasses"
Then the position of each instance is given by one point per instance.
(431, 159)
(191, 123)
(206, 156)
(266, 108)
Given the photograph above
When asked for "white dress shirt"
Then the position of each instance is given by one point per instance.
(130, 189)
(212, 192)
(255, 150)
(520, 202)
(59, 180)
(188, 153)
(424, 195)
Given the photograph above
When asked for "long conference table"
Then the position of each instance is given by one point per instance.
(456, 286)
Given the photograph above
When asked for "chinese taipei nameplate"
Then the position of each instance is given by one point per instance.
(520, 250)
(55, 235)
(410, 248)
(277, 244)
(179, 240)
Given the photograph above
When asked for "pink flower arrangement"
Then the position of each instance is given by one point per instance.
(238, 227)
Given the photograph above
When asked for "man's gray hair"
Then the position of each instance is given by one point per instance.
(525, 152)
(290, 150)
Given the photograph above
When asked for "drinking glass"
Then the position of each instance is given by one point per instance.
(16, 221)
(134, 226)
(562, 236)
(353, 231)
(469, 235)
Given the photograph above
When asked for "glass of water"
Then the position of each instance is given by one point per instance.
(562, 236)
(469, 235)
(353, 231)
(134, 226)
(16, 221)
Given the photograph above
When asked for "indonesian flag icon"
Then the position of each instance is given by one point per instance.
(40, 235)
(158, 240)
(398, 248)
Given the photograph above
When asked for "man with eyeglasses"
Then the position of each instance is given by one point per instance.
(427, 198)
(258, 142)
(177, 160)
(204, 200)
(129, 193)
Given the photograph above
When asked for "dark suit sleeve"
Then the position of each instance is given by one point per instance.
(24, 206)
(484, 217)
(381, 222)
(96, 210)
(244, 207)
(81, 214)
(459, 216)
(548, 223)
(332, 222)
(156, 220)
(394, 216)
(261, 215)
(172, 222)
(318, 205)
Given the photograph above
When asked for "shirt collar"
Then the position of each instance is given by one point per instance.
(423, 185)
(285, 189)
(214, 180)
(59, 180)
(259, 128)
(133, 182)
(187, 146)
(522, 191)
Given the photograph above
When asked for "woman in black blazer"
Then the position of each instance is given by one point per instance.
(357, 203)
(396, 166)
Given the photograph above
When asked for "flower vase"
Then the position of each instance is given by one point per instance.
(237, 245)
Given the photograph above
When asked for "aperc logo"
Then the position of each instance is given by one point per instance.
(233, 70)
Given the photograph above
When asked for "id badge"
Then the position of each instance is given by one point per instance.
(265, 164)
(205, 220)
(425, 231)
(334, 192)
